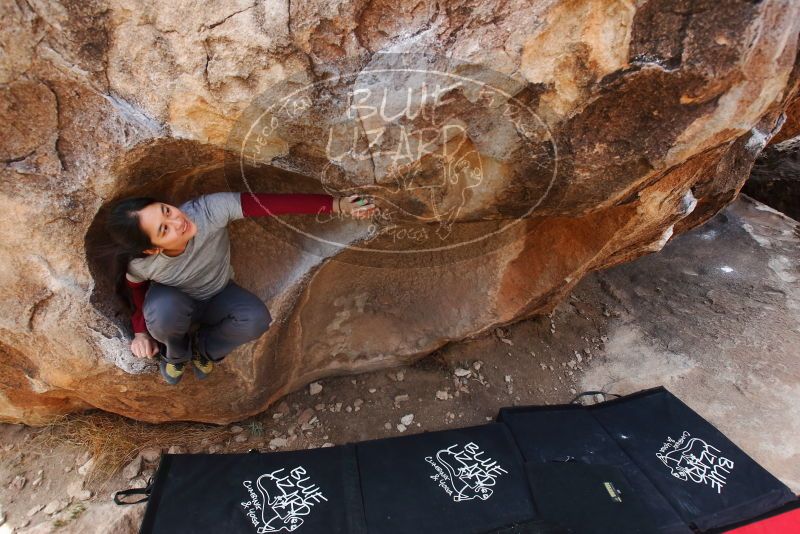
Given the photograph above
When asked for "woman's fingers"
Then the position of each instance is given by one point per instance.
(361, 207)
(359, 200)
(144, 349)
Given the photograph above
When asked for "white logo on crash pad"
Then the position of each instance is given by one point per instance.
(692, 459)
(283, 500)
(465, 473)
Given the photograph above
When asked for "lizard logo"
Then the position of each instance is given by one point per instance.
(692, 459)
(283, 500)
(465, 473)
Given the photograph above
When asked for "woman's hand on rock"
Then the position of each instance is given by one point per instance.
(144, 346)
(359, 207)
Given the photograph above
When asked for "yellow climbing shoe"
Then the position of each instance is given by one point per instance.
(172, 372)
(201, 366)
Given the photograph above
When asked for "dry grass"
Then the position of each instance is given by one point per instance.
(113, 441)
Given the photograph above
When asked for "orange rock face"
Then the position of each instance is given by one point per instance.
(511, 146)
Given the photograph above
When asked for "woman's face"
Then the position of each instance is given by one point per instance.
(168, 227)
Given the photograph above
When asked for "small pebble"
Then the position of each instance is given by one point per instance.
(54, 506)
(18, 483)
(133, 468)
(277, 443)
(151, 454)
(35, 510)
(84, 469)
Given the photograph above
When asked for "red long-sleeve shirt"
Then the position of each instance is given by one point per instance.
(253, 205)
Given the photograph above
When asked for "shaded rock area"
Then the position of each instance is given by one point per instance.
(775, 178)
(617, 125)
(715, 317)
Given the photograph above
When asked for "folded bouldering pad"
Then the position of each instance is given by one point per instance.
(641, 463)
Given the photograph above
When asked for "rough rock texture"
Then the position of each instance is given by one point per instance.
(791, 125)
(643, 119)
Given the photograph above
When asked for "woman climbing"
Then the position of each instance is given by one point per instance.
(174, 267)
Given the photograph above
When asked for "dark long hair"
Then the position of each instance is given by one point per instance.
(129, 241)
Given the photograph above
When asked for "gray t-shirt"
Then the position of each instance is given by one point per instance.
(204, 268)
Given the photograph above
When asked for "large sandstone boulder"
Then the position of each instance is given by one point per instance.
(579, 135)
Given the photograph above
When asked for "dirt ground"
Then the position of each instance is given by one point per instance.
(659, 320)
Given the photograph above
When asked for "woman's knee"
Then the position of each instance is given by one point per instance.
(257, 320)
(166, 314)
(163, 325)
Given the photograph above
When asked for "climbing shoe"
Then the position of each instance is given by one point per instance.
(201, 366)
(172, 372)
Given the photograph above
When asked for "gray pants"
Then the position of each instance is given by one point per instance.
(228, 319)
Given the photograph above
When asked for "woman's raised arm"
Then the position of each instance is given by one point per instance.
(266, 204)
